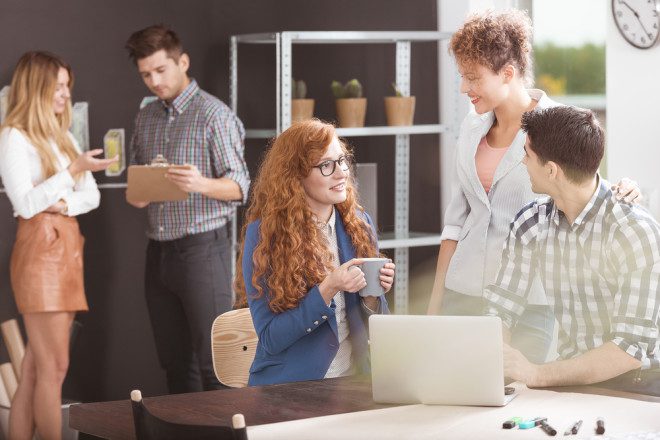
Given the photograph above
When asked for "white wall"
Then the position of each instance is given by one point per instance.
(633, 114)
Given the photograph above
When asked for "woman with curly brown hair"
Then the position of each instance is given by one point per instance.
(299, 271)
(493, 51)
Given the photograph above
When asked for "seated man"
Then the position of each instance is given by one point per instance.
(598, 260)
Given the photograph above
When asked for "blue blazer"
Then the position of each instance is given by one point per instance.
(299, 344)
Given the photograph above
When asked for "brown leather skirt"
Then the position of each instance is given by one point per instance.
(47, 265)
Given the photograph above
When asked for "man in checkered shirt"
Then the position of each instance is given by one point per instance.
(598, 260)
(188, 275)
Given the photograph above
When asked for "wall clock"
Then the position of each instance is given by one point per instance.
(638, 21)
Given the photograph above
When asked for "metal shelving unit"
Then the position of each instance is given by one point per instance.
(401, 239)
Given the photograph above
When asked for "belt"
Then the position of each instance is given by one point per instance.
(191, 240)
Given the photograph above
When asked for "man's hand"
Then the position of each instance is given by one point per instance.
(628, 191)
(188, 178)
(517, 367)
(137, 204)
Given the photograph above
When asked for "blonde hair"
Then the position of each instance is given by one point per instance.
(30, 107)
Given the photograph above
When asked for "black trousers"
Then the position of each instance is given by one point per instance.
(187, 285)
(635, 381)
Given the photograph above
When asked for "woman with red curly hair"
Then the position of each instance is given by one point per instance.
(299, 271)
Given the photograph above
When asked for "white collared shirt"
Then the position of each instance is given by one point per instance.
(29, 192)
(341, 365)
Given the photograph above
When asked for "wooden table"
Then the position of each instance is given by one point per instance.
(259, 405)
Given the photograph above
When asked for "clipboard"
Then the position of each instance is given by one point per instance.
(147, 183)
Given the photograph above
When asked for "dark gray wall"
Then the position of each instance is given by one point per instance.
(114, 352)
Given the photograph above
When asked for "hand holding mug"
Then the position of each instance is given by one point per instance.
(387, 276)
(347, 277)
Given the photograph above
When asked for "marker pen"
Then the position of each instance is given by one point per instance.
(511, 423)
(574, 429)
(539, 420)
(527, 424)
(548, 429)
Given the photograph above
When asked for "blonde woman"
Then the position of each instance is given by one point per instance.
(49, 183)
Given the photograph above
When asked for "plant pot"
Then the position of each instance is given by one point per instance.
(400, 110)
(351, 111)
(302, 109)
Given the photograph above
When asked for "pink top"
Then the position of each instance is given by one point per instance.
(487, 159)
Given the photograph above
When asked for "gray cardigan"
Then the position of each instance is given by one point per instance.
(480, 221)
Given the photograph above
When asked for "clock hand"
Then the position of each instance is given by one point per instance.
(643, 28)
(624, 3)
(636, 14)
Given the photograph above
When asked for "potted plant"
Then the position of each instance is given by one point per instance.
(301, 108)
(351, 106)
(399, 109)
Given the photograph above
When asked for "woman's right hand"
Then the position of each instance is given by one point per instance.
(87, 162)
(348, 277)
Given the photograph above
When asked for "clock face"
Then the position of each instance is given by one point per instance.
(638, 21)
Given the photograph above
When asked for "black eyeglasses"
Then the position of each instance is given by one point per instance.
(327, 167)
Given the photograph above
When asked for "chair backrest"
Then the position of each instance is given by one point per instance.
(234, 342)
(151, 427)
(14, 343)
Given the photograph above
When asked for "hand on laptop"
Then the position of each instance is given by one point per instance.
(517, 367)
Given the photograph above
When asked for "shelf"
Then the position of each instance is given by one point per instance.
(260, 133)
(391, 240)
(389, 131)
(362, 131)
(344, 37)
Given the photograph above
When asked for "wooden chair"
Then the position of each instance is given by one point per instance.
(150, 427)
(14, 343)
(234, 342)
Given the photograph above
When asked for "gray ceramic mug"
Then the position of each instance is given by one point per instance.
(371, 268)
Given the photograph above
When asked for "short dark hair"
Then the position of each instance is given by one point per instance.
(569, 136)
(150, 40)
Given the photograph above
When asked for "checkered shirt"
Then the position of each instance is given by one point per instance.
(198, 129)
(601, 274)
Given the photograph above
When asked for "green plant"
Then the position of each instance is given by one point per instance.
(397, 92)
(352, 89)
(298, 89)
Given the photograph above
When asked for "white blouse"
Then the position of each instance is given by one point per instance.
(29, 192)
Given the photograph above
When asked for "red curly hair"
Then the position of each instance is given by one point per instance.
(292, 254)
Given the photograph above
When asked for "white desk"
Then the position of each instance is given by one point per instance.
(453, 422)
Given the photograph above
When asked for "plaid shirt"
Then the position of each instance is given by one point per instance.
(601, 274)
(198, 129)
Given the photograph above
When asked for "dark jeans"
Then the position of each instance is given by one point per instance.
(187, 285)
(532, 335)
(636, 381)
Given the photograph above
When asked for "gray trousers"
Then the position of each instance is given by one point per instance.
(187, 285)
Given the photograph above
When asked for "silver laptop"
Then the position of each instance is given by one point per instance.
(450, 360)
